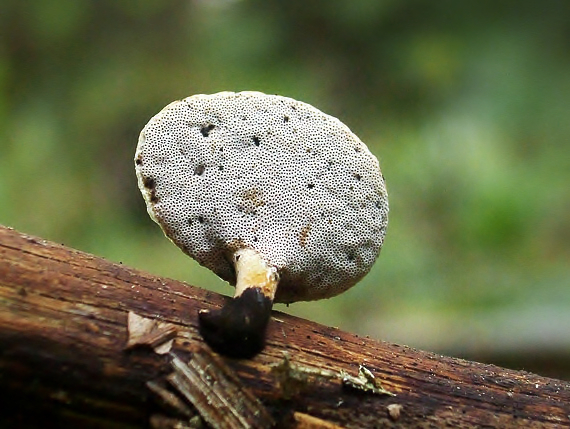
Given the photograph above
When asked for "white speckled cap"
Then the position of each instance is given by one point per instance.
(228, 171)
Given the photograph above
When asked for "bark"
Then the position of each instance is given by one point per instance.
(64, 360)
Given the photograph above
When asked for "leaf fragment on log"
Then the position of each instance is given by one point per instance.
(152, 333)
(293, 378)
(365, 381)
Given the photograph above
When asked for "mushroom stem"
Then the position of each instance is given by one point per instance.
(253, 271)
(238, 328)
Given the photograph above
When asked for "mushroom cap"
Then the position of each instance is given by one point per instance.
(228, 171)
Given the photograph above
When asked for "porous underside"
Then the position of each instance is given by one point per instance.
(231, 170)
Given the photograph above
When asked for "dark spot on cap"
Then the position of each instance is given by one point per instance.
(138, 160)
(311, 185)
(205, 130)
(199, 170)
(285, 118)
(201, 219)
(357, 176)
(149, 182)
(256, 141)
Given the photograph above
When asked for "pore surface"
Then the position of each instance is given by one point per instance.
(232, 170)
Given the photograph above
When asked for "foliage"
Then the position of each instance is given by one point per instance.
(465, 103)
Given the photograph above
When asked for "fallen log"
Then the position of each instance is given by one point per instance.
(66, 359)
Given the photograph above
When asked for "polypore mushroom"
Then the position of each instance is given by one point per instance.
(271, 194)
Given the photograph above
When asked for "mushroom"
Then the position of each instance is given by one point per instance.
(271, 194)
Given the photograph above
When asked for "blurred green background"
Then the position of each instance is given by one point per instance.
(466, 104)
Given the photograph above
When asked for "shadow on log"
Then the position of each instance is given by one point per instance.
(63, 361)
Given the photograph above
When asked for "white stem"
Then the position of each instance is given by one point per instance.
(253, 271)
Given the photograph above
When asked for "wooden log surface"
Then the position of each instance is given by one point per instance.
(63, 362)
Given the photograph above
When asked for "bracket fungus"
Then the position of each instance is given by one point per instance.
(271, 194)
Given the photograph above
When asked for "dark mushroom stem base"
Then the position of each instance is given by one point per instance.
(238, 328)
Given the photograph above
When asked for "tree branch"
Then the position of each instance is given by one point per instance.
(63, 357)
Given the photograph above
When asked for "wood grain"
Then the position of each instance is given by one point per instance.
(63, 362)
